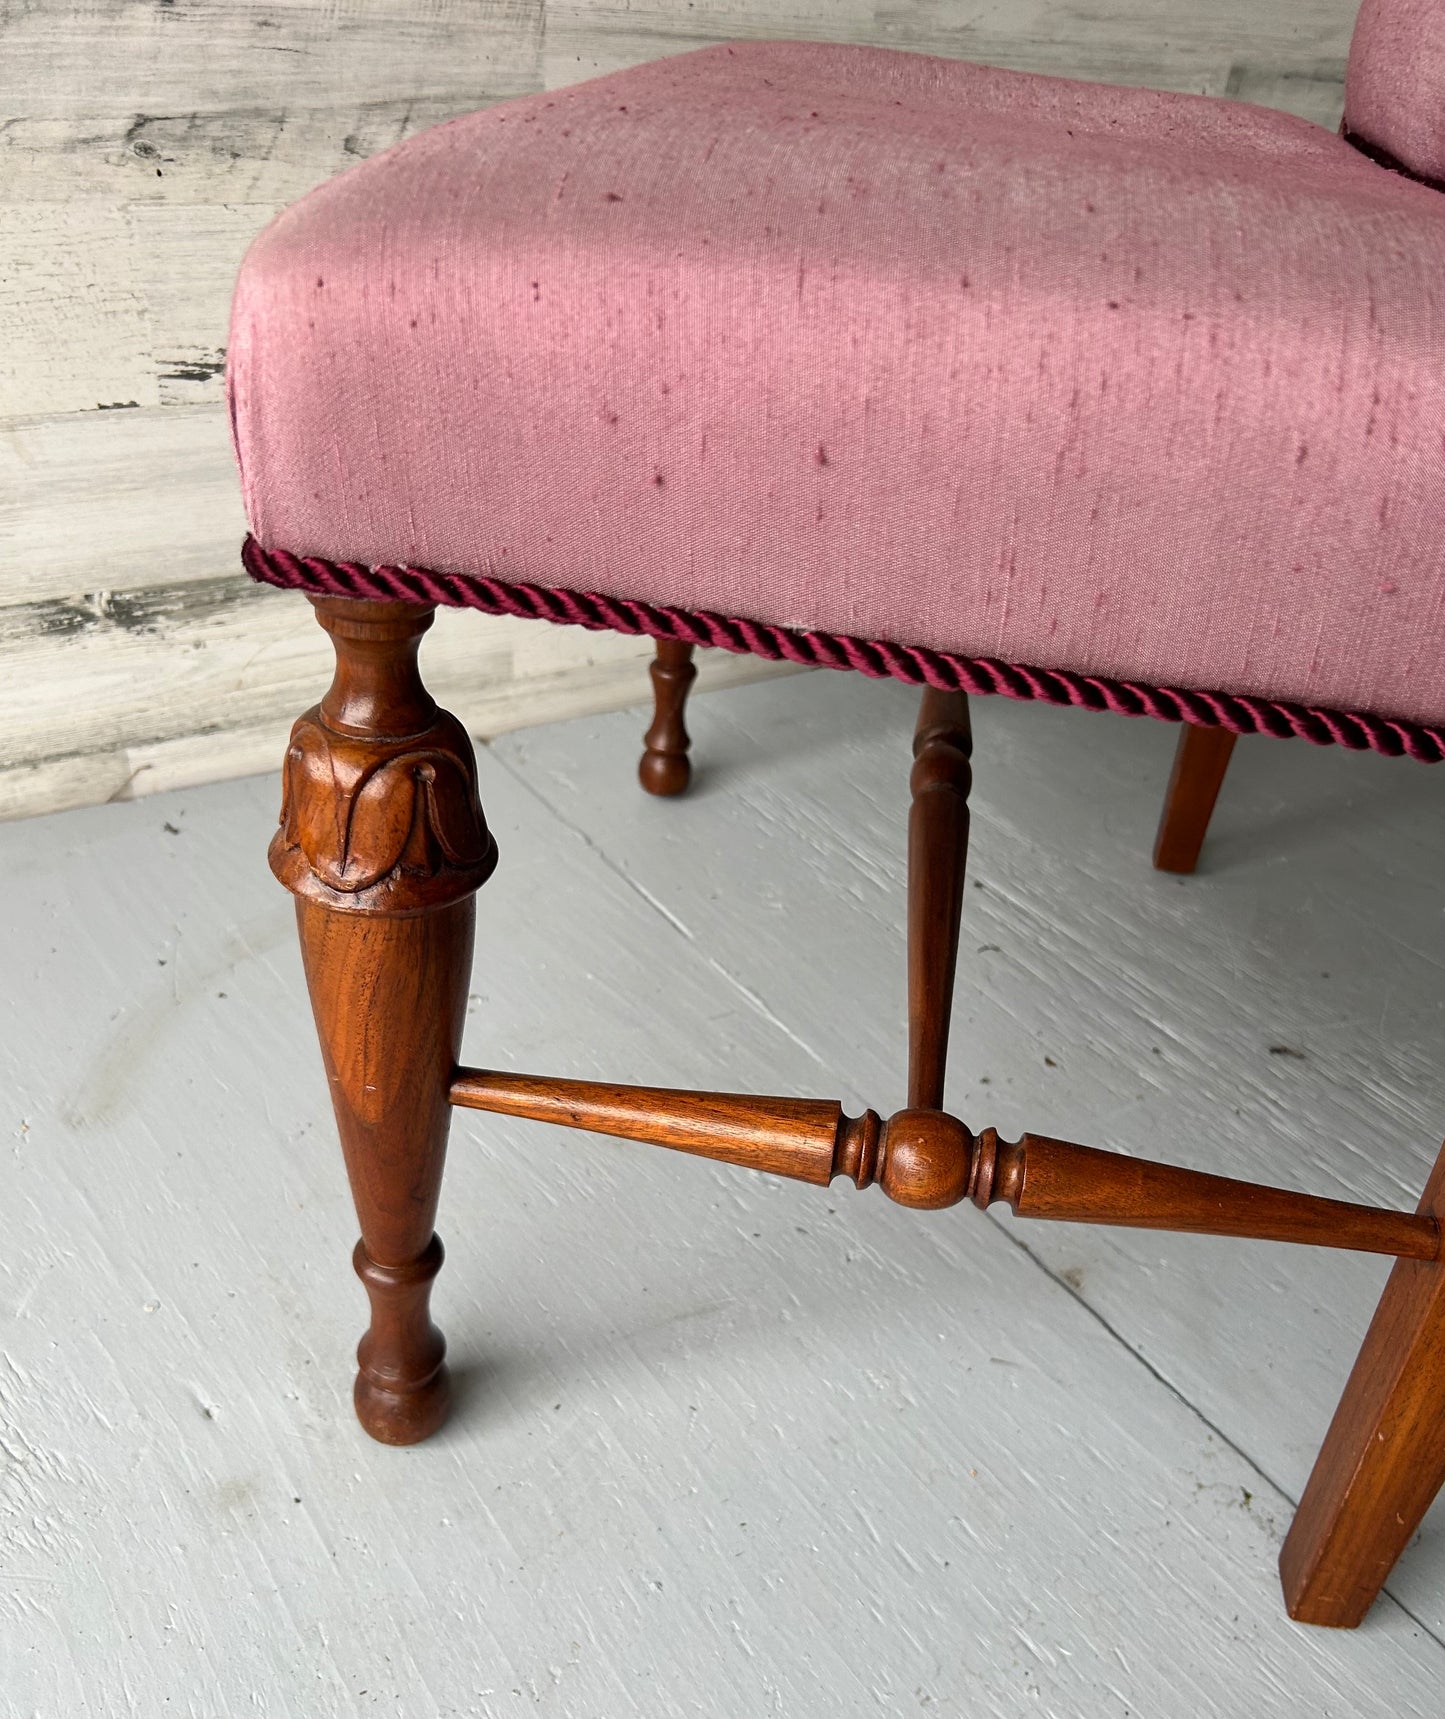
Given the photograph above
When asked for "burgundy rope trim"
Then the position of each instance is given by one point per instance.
(873, 657)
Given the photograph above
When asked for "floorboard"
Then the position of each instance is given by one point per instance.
(723, 1445)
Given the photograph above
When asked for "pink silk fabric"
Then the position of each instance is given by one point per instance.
(1395, 82)
(1142, 386)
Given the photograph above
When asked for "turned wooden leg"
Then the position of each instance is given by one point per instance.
(1200, 760)
(937, 854)
(383, 842)
(664, 768)
(1383, 1459)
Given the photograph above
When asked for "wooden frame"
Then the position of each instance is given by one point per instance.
(1200, 760)
(384, 843)
(664, 768)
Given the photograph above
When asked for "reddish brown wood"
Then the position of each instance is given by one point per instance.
(1043, 1178)
(379, 808)
(937, 855)
(383, 842)
(389, 995)
(1383, 1459)
(1200, 760)
(664, 768)
(782, 1136)
(928, 1159)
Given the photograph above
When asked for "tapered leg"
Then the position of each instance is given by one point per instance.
(1200, 760)
(1383, 1459)
(383, 842)
(937, 854)
(664, 768)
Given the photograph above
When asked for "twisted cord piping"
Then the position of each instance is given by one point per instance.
(877, 658)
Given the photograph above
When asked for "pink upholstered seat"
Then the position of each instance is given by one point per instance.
(1131, 385)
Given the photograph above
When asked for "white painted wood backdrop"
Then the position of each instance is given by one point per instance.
(142, 144)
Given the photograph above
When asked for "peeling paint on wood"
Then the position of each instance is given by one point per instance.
(80, 720)
(116, 499)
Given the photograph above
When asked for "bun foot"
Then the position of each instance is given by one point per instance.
(402, 1391)
(664, 769)
(664, 773)
(394, 1416)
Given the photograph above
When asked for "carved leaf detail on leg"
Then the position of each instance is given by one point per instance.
(388, 825)
(414, 812)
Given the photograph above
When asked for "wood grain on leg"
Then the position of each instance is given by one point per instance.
(383, 842)
(1383, 1459)
(937, 856)
(1200, 760)
(664, 768)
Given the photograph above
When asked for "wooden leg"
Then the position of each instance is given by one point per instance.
(1383, 1459)
(664, 768)
(937, 854)
(383, 842)
(1200, 761)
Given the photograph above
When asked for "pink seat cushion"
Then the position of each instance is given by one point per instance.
(1395, 82)
(1126, 384)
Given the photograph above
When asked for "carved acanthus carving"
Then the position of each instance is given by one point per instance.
(379, 806)
(381, 825)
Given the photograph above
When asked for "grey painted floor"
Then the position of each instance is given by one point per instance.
(724, 1446)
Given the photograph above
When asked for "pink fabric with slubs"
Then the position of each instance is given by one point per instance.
(1395, 82)
(1107, 381)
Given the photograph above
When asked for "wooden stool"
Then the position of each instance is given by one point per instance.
(987, 382)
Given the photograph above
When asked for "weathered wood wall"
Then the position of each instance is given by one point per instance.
(142, 143)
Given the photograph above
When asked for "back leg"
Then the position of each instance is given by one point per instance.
(937, 855)
(1200, 761)
(1383, 1458)
(664, 768)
